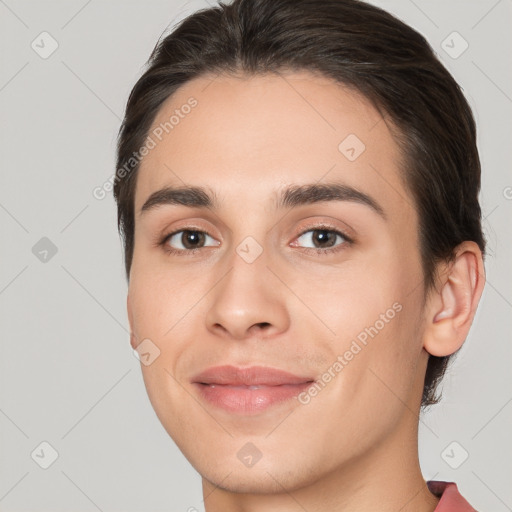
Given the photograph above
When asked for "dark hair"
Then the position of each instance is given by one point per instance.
(360, 46)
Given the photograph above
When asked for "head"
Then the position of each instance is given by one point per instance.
(241, 109)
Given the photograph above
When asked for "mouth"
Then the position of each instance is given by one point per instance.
(250, 390)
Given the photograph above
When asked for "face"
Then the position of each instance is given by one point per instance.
(299, 254)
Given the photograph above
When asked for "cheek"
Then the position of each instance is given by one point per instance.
(162, 300)
(166, 309)
(350, 298)
(162, 310)
(390, 368)
(372, 312)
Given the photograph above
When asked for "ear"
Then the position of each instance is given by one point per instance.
(452, 306)
(133, 339)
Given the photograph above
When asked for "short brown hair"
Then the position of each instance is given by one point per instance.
(360, 46)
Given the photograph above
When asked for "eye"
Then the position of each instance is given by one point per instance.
(186, 240)
(189, 241)
(323, 239)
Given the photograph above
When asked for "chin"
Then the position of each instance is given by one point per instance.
(250, 481)
(265, 477)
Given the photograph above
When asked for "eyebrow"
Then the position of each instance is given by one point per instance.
(290, 197)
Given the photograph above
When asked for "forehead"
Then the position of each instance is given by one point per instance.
(245, 136)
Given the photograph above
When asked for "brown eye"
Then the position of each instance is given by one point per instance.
(187, 240)
(323, 238)
(191, 239)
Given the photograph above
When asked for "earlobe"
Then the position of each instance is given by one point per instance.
(453, 305)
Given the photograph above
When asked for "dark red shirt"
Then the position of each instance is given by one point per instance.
(451, 500)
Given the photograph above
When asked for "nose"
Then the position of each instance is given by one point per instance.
(249, 301)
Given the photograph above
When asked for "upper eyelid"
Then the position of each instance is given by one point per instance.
(315, 227)
(326, 227)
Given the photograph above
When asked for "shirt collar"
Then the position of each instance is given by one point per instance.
(451, 500)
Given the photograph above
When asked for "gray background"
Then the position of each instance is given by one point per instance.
(68, 374)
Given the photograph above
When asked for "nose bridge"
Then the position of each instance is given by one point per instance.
(248, 294)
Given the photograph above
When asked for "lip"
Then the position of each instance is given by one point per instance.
(248, 390)
(250, 376)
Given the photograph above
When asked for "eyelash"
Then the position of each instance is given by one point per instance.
(320, 252)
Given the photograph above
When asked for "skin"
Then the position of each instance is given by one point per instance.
(354, 445)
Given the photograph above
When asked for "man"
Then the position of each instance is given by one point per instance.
(297, 189)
